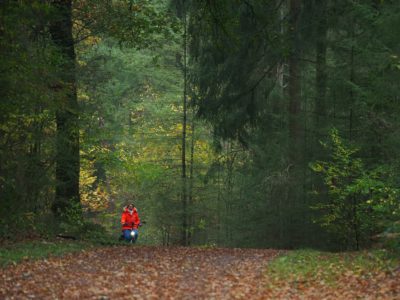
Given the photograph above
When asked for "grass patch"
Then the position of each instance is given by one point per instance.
(307, 266)
(14, 253)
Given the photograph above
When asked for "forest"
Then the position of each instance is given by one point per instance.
(229, 124)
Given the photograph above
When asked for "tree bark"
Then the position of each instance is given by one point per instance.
(321, 76)
(296, 130)
(190, 196)
(294, 89)
(67, 152)
(351, 93)
(184, 234)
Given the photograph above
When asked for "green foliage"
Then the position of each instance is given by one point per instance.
(139, 24)
(27, 127)
(241, 59)
(30, 65)
(245, 189)
(359, 201)
(390, 238)
(74, 224)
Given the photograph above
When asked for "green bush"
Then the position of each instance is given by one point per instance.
(360, 202)
(391, 237)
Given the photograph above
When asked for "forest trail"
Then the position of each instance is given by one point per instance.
(167, 273)
(140, 273)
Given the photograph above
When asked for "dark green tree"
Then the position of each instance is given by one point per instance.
(67, 115)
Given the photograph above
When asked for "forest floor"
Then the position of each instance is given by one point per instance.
(142, 272)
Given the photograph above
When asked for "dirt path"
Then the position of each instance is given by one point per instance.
(180, 273)
(141, 273)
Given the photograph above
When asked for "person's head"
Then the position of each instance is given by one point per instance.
(130, 206)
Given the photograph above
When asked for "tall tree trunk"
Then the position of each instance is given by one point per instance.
(35, 168)
(280, 68)
(351, 93)
(295, 153)
(354, 201)
(295, 129)
(190, 196)
(320, 116)
(184, 237)
(321, 76)
(67, 157)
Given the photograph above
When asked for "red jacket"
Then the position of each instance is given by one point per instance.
(130, 220)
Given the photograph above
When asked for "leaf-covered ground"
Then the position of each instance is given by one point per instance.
(180, 273)
(308, 274)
